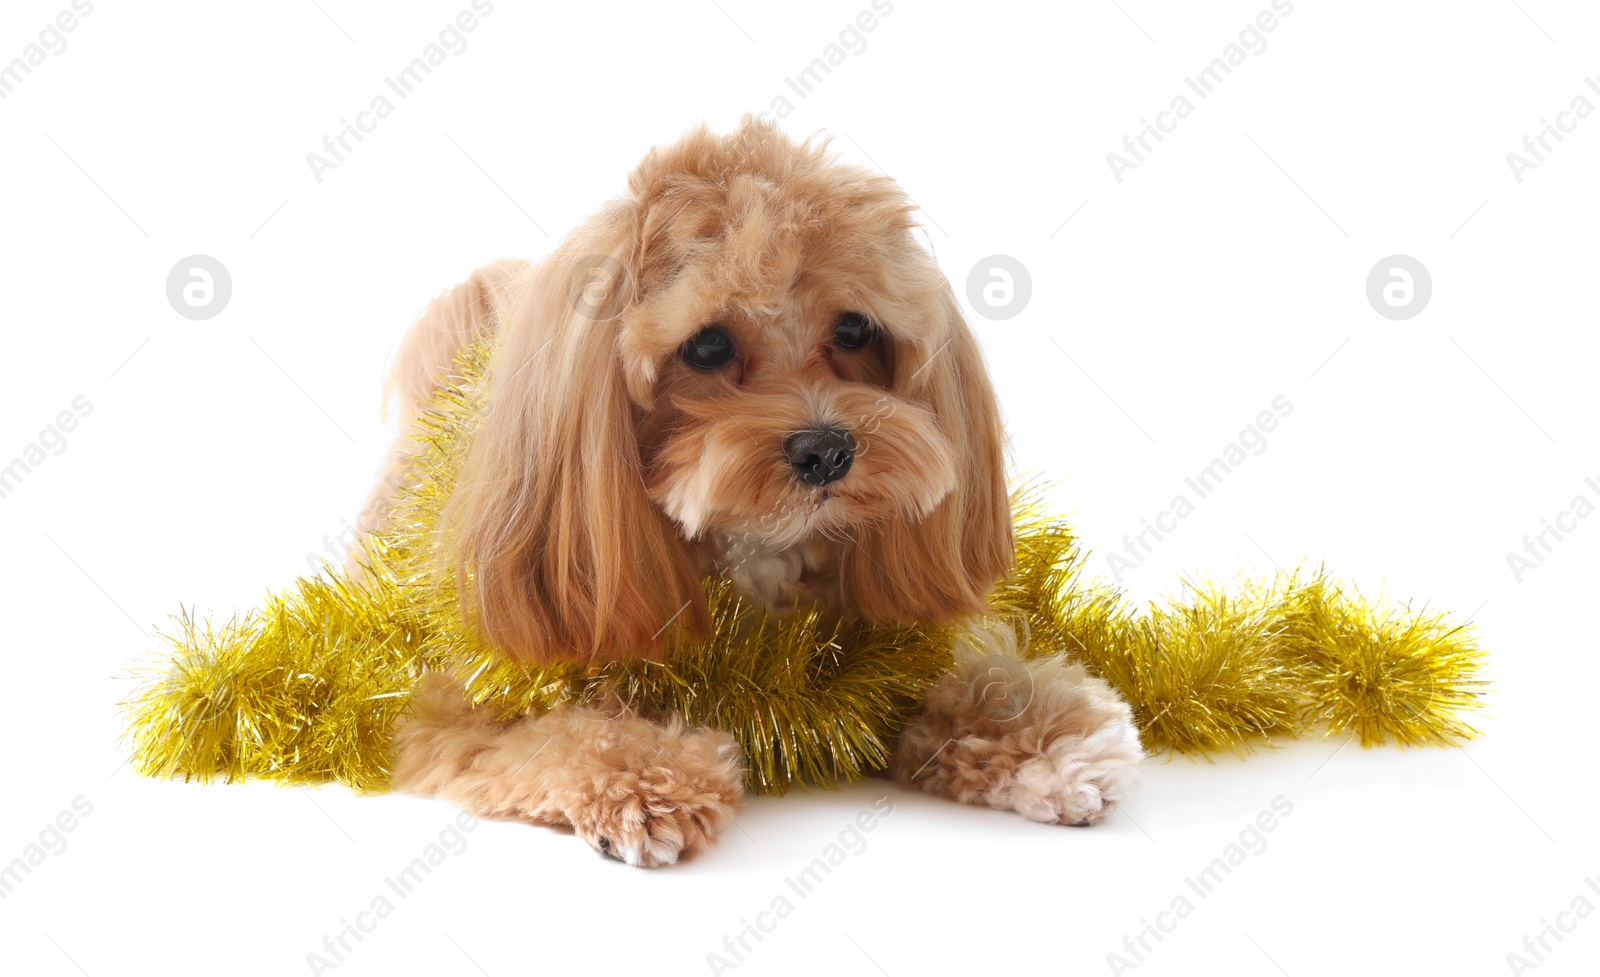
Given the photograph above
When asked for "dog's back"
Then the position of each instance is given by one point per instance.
(451, 321)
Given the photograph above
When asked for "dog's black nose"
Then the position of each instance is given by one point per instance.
(821, 455)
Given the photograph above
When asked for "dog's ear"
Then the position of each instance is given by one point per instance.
(558, 551)
(942, 567)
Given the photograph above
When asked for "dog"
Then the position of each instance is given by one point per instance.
(747, 367)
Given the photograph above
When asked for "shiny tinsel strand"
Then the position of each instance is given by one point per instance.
(308, 687)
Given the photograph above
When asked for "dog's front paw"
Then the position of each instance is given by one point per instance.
(1042, 738)
(1076, 779)
(661, 805)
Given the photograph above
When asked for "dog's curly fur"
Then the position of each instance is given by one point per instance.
(614, 468)
(1041, 737)
(647, 792)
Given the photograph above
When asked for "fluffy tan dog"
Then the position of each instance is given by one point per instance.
(745, 367)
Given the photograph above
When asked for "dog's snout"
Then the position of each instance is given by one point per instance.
(820, 455)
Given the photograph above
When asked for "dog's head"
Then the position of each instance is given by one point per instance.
(751, 343)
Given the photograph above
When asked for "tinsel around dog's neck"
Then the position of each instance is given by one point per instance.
(308, 688)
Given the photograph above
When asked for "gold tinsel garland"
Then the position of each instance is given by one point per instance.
(307, 688)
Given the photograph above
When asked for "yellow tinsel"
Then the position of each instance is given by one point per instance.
(307, 688)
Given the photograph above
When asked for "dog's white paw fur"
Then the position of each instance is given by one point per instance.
(1078, 780)
(1043, 738)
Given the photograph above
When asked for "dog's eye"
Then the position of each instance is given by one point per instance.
(707, 349)
(853, 330)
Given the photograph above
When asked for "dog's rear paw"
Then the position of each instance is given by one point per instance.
(659, 808)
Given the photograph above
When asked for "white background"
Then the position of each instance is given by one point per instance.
(1227, 269)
